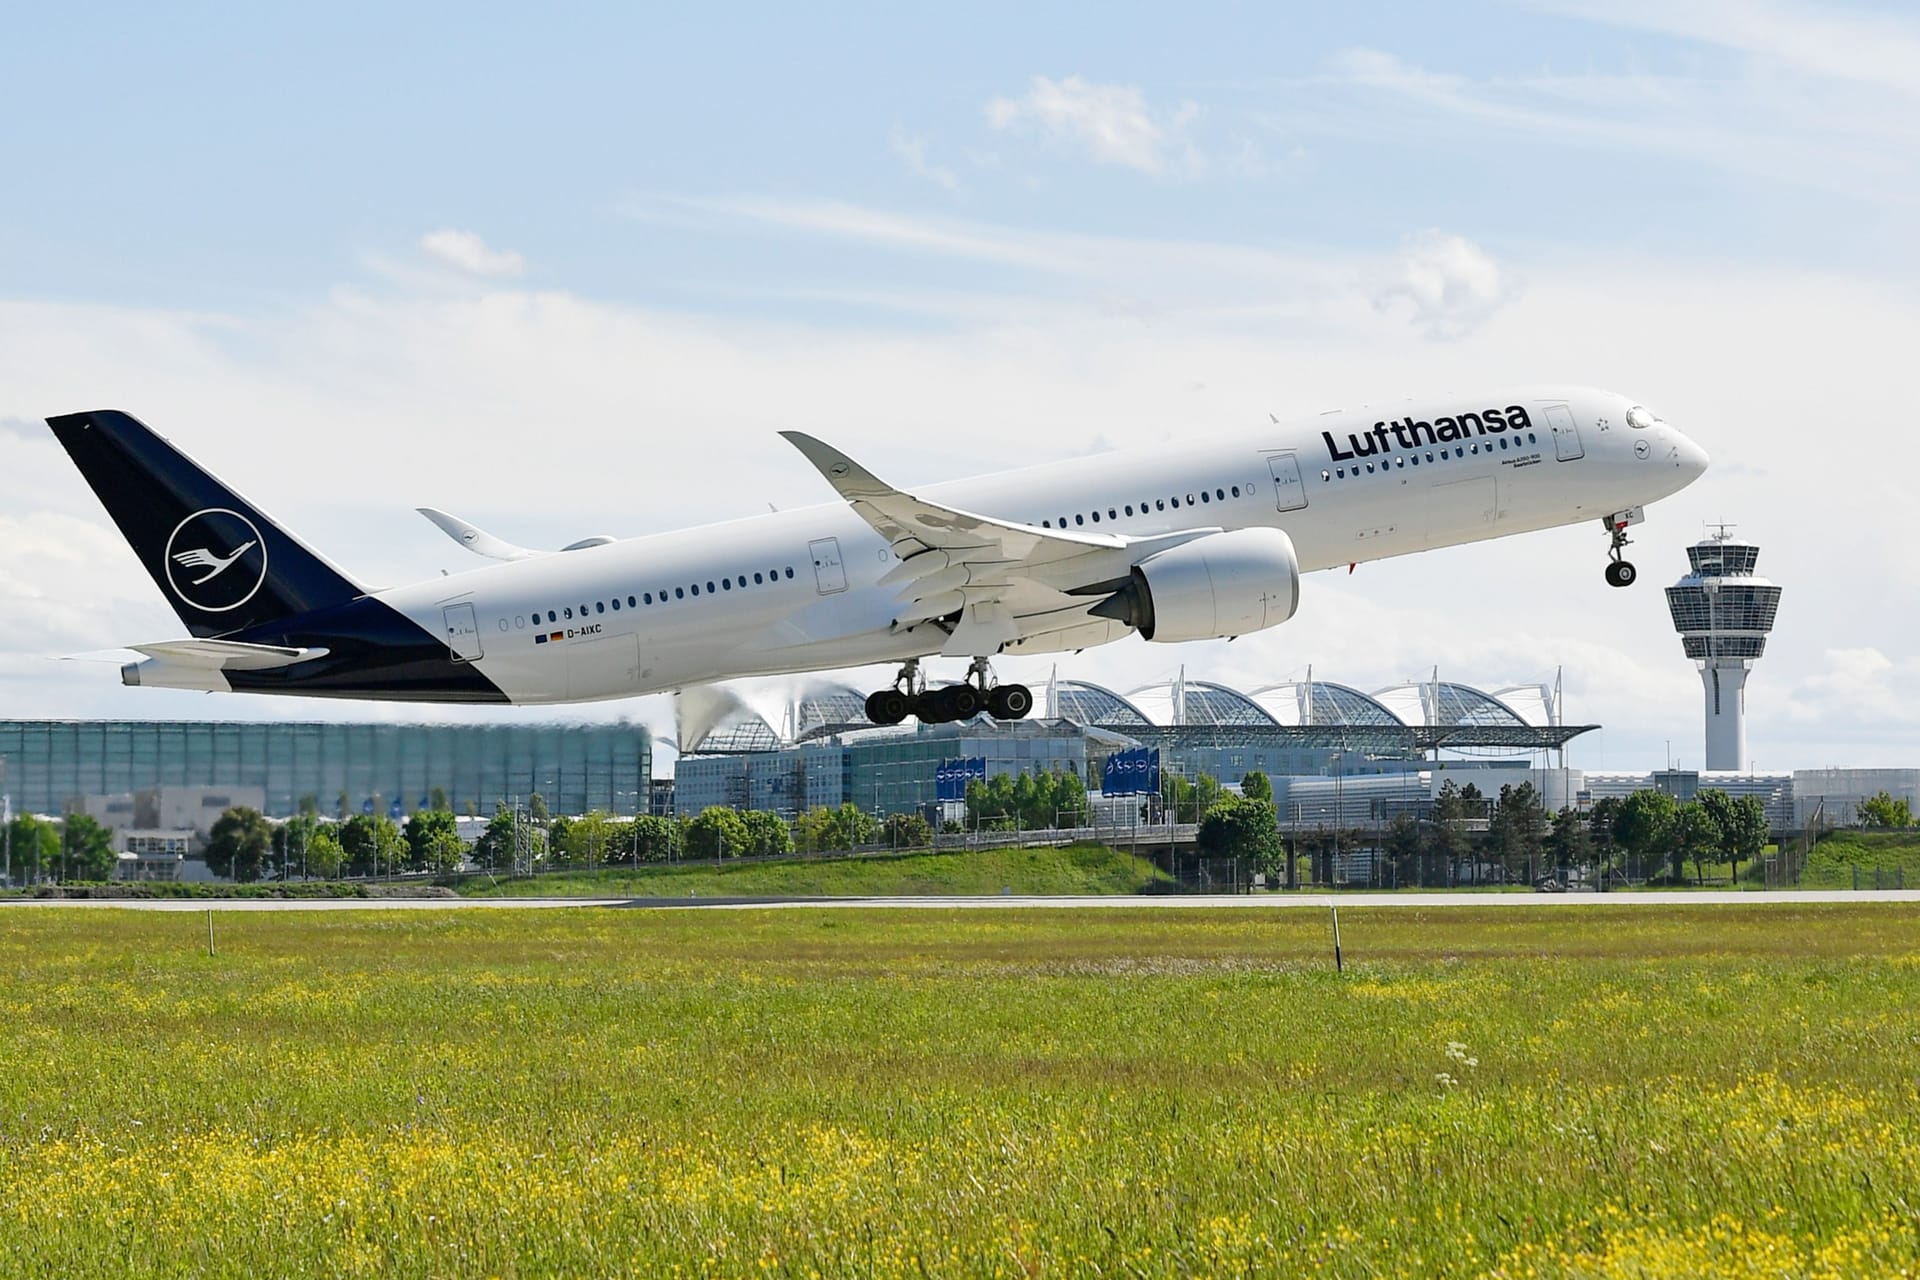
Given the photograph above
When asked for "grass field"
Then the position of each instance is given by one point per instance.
(1610, 1091)
(1074, 869)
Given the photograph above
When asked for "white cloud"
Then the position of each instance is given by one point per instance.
(913, 150)
(1111, 123)
(1449, 284)
(466, 251)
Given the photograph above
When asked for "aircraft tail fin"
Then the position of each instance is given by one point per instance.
(222, 564)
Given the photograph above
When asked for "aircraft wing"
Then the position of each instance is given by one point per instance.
(991, 572)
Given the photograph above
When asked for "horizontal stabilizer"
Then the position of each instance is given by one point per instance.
(225, 655)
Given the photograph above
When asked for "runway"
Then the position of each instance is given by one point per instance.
(1243, 902)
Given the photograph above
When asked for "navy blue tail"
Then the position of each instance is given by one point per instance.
(223, 565)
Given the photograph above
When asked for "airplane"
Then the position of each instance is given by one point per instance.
(1196, 541)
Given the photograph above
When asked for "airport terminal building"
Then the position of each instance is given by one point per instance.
(375, 767)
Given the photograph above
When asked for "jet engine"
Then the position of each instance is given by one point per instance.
(1216, 587)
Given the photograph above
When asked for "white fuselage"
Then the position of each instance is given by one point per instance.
(669, 610)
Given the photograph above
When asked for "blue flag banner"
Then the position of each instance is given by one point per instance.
(951, 777)
(1131, 773)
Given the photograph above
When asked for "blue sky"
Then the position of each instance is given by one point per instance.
(362, 258)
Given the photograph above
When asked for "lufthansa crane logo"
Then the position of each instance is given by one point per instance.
(216, 560)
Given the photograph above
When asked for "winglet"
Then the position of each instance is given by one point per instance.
(851, 480)
(474, 538)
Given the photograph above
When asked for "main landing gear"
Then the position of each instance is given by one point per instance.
(910, 696)
(1620, 571)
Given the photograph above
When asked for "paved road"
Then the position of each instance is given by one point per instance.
(1259, 902)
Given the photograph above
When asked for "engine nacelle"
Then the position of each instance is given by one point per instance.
(1213, 588)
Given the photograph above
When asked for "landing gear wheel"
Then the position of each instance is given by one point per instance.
(1010, 702)
(888, 706)
(961, 701)
(1621, 573)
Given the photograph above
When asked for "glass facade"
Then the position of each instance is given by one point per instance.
(574, 767)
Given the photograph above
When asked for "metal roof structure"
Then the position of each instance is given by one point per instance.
(1416, 716)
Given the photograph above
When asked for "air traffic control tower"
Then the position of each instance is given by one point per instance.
(1723, 613)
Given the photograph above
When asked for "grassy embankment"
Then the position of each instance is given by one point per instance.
(1831, 864)
(1074, 869)
(1609, 1091)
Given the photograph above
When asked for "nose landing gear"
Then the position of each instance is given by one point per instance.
(1620, 571)
(910, 696)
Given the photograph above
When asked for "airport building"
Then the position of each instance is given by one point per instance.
(1300, 732)
(365, 768)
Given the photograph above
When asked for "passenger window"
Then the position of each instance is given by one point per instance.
(1176, 502)
(789, 571)
(1205, 496)
(1369, 468)
(1079, 519)
(569, 612)
(757, 578)
(726, 584)
(1112, 514)
(1414, 458)
(1342, 473)
(599, 606)
(1236, 488)
(1096, 517)
(1400, 463)
(648, 597)
(696, 588)
(1220, 494)
(1160, 504)
(1046, 524)
(709, 587)
(1129, 508)
(632, 603)
(1189, 499)
(616, 604)
(680, 593)
(521, 622)
(1503, 442)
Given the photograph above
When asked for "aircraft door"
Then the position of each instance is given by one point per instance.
(828, 572)
(1289, 494)
(1566, 435)
(463, 633)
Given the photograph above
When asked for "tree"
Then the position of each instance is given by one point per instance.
(1238, 827)
(437, 801)
(433, 842)
(1884, 811)
(33, 845)
(1742, 824)
(906, 831)
(1696, 836)
(291, 840)
(842, 828)
(1519, 828)
(1450, 822)
(1068, 801)
(86, 849)
(1570, 842)
(1600, 819)
(1643, 826)
(652, 839)
(537, 809)
(1405, 842)
(718, 832)
(585, 840)
(1256, 786)
(372, 844)
(767, 835)
(238, 845)
(323, 855)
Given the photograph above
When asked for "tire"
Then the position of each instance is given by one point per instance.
(963, 701)
(929, 707)
(1621, 573)
(888, 706)
(1010, 702)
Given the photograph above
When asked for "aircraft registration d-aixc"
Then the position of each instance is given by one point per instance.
(1200, 541)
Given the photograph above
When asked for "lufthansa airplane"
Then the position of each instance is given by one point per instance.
(1203, 540)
